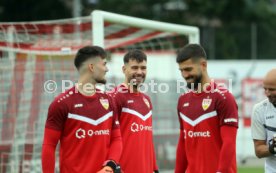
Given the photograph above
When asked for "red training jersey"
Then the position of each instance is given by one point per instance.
(201, 116)
(86, 124)
(135, 116)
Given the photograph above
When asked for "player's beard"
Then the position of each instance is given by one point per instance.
(197, 80)
(272, 99)
(101, 81)
(136, 80)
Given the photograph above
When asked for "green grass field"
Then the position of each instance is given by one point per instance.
(250, 170)
(243, 169)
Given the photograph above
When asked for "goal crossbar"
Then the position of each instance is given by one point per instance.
(98, 18)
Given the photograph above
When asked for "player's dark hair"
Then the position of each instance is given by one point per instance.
(135, 54)
(191, 51)
(88, 52)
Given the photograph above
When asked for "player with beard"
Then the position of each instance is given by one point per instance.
(83, 120)
(264, 124)
(208, 117)
(135, 116)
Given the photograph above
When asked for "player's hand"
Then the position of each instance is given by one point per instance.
(272, 145)
(106, 169)
(111, 167)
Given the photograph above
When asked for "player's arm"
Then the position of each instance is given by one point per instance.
(116, 100)
(106, 169)
(228, 115)
(112, 163)
(228, 149)
(52, 133)
(50, 141)
(259, 134)
(181, 158)
(116, 144)
(155, 167)
(261, 148)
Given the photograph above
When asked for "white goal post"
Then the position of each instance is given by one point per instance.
(34, 53)
(98, 18)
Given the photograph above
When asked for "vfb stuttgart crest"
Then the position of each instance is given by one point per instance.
(146, 102)
(206, 103)
(104, 103)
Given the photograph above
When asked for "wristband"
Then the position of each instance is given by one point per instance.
(116, 168)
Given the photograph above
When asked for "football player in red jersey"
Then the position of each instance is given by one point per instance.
(208, 117)
(83, 120)
(135, 116)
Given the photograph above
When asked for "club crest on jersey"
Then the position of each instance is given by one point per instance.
(146, 102)
(206, 103)
(104, 103)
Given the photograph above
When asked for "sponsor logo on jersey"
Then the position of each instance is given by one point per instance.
(197, 134)
(135, 127)
(104, 103)
(146, 102)
(206, 103)
(269, 117)
(230, 120)
(130, 101)
(78, 105)
(185, 104)
(81, 133)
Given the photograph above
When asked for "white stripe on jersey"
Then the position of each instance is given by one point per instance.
(199, 119)
(89, 120)
(133, 112)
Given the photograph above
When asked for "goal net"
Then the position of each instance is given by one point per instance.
(35, 57)
(113, 31)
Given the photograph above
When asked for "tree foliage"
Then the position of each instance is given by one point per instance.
(30, 10)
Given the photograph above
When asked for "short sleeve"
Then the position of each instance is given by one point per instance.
(227, 110)
(57, 114)
(257, 129)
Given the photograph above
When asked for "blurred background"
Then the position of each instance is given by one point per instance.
(38, 40)
(237, 29)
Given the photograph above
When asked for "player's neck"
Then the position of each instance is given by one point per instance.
(206, 81)
(86, 87)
